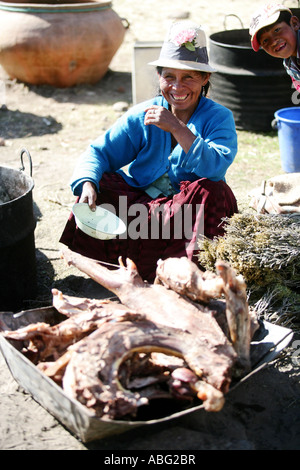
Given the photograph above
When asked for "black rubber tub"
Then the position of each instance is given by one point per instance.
(253, 85)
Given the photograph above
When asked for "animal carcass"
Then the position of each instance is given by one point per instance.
(172, 339)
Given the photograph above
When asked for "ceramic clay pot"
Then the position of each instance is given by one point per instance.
(59, 44)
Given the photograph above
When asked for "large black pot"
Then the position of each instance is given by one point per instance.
(17, 248)
(253, 85)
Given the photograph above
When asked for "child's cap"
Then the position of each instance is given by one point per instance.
(265, 16)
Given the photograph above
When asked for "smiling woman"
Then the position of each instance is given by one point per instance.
(176, 149)
(181, 89)
(189, 78)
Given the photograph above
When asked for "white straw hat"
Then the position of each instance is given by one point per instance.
(184, 48)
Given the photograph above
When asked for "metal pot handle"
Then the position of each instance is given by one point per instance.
(29, 158)
(125, 22)
(275, 125)
(236, 16)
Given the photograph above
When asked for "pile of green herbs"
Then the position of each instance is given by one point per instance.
(265, 250)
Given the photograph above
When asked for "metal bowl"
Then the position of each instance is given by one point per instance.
(101, 223)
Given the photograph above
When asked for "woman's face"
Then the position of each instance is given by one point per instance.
(182, 88)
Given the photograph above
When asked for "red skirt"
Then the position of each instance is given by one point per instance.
(156, 228)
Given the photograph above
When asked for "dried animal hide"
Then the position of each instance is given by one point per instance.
(154, 301)
(108, 354)
(184, 277)
(165, 308)
(92, 374)
(43, 342)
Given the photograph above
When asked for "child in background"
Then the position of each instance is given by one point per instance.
(275, 29)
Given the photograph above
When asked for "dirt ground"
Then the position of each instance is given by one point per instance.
(56, 125)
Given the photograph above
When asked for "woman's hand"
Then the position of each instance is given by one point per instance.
(167, 121)
(160, 117)
(89, 194)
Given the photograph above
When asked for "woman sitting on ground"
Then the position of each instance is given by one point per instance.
(162, 165)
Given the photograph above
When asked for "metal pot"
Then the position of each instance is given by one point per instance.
(17, 247)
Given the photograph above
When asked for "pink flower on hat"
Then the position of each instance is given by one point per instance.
(186, 38)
